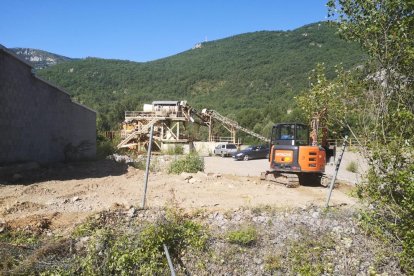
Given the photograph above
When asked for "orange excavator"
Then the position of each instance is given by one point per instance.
(295, 156)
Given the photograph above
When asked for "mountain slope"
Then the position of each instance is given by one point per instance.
(38, 58)
(252, 77)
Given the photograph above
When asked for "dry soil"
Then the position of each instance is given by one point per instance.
(65, 195)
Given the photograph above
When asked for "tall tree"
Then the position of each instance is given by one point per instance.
(385, 108)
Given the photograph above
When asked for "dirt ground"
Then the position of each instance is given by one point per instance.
(66, 194)
(254, 167)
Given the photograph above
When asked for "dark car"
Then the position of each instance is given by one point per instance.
(252, 152)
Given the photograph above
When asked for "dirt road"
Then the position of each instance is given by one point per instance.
(233, 167)
(67, 194)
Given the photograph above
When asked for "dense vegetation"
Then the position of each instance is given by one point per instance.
(250, 77)
(375, 102)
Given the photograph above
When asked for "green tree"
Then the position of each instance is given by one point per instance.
(385, 111)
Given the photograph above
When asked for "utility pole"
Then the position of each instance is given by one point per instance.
(338, 163)
(147, 167)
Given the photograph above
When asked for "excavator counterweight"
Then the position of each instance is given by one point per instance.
(293, 159)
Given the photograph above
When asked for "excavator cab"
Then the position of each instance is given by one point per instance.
(290, 134)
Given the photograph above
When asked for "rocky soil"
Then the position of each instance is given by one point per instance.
(42, 208)
(307, 241)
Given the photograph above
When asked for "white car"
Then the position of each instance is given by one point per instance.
(225, 150)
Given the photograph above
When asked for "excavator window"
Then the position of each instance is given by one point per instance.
(290, 134)
(286, 132)
(302, 135)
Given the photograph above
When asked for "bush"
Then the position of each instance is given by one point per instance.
(352, 167)
(176, 150)
(104, 147)
(244, 236)
(112, 252)
(142, 165)
(190, 163)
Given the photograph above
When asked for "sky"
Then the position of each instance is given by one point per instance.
(143, 30)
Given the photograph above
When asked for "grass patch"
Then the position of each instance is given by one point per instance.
(244, 236)
(307, 256)
(272, 263)
(87, 228)
(19, 238)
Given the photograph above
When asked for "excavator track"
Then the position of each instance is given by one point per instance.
(290, 180)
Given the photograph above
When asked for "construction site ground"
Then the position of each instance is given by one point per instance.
(65, 194)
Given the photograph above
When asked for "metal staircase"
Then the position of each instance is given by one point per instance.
(134, 134)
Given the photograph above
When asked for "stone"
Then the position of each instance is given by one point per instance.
(81, 244)
(3, 226)
(186, 176)
(194, 180)
(347, 242)
(131, 212)
(237, 217)
(257, 261)
(75, 198)
(120, 158)
(201, 174)
(315, 215)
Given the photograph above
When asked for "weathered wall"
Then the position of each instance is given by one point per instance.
(39, 122)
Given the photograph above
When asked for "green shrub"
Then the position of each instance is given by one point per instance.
(104, 148)
(245, 236)
(114, 252)
(352, 167)
(190, 163)
(142, 165)
(19, 237)
(87, 228)
(175, 150)
(272, 263)
(178, 234)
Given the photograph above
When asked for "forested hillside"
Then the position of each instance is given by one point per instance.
(251, 77)
(38, 58)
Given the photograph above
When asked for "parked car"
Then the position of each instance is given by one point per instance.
(225, 150)
(252, 152)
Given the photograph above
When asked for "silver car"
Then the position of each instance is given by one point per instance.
(225, 150)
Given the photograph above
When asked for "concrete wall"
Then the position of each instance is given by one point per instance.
(38, 121)
(187, 147)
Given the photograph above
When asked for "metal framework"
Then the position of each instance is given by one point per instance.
(168, 119)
